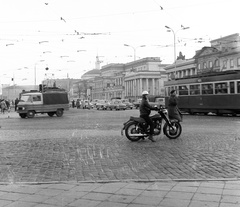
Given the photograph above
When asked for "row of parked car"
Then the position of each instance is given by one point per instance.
(115, 104)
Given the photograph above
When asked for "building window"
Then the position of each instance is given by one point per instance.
(224, 64)
(216, 63)
(238, 61)
(199, 66)
(210, 64)
(204, 65)
(231, 63)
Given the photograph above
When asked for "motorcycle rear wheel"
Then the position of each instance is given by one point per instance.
(172, 133)
(131, 129)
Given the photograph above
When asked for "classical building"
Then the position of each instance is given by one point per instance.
(181, 68)
(222, 55)
(128, 80)
(12, 92)
(146, 74)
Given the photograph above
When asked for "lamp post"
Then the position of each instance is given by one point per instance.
(35, 72)
(134, 49)
(174, 36)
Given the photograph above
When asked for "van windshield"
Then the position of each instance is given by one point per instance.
(25, 98)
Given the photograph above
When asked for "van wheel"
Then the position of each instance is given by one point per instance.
(30, 114)
(51, 114)
(59, 112)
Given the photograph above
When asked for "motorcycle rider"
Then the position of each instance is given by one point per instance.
(145, 110)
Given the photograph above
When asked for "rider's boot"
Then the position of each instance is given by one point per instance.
(151, 138)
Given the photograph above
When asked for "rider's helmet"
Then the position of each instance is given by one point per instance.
(145, 93)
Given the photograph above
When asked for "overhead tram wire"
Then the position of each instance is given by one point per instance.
(71, 27)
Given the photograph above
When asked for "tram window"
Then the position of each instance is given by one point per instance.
(232, 87)
(194, 89)
(207, 88)
(221, 88)
(183, 90)
(238, 87)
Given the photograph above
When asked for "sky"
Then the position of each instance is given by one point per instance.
(65, 36)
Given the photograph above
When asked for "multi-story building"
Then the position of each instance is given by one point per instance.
(222, 55)
(146, 74)
(129, 80)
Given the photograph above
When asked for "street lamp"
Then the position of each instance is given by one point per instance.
(134, 49)
(35, 72)
(174, 36)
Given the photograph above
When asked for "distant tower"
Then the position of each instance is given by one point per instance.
(97, 63)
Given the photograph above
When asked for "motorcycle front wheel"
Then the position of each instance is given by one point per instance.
(132, 132)
(172, 132)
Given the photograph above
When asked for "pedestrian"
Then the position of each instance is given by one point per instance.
(73, 103)
(16, 103)
(78, 104)
(7, 104)
(3, 106)
(173, 110)
(83, 104)
(145, 110)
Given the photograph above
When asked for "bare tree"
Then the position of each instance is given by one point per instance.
(82, 88)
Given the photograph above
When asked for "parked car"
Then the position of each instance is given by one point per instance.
(117, 105)
(94, 102)
(101, 104)
(137, 103)
(86, 104)
(129, 105)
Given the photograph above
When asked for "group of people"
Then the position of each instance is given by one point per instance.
(5, 105)
(80, 104)
(145, 110)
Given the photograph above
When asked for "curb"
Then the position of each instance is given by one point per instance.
(123, 181)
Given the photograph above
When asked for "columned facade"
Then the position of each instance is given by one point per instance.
(127, 81)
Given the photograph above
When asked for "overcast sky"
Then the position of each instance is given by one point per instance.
(67, 35)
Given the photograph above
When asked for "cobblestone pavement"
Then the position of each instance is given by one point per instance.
(47, 149)
(123, 194)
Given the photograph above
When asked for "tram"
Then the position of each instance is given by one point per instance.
(215, 92)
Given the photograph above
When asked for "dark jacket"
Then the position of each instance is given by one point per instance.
(145, 108)
(173, 111)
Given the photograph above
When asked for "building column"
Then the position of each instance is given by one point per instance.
(135, 88)
(140, 80)
(153, 86)
(130, 88)
(146, 84)
(126, 88)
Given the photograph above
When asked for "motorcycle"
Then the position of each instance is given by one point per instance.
(136, 128)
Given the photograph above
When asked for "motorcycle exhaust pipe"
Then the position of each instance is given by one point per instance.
(137, 135)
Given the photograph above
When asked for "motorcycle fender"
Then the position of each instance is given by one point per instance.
(166, 124)
(124, 126)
